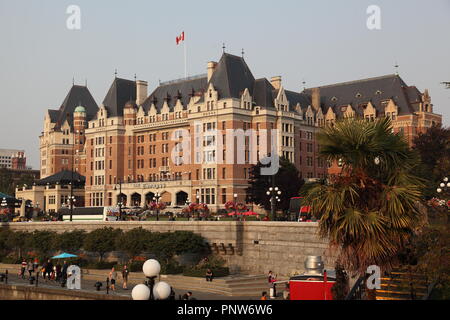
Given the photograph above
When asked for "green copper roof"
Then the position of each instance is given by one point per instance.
(80, 109)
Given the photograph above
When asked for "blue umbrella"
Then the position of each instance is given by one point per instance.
(64, 256)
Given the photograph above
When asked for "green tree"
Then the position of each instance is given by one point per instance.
(133, 242)
(102, 241)
(168, 244)
(18, 242)
(370, 209)
(42, 242)
(69, 241)
(433, 147)
(287, 179)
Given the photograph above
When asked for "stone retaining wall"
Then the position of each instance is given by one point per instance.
(248, 247)
(19, 292)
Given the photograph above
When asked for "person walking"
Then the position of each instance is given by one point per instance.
(48, 269)
(112, 279)
(36, 264)
(23, 267)
(30, 267)
(125, 273)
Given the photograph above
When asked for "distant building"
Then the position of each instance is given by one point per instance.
(129, 138)
(13, 159)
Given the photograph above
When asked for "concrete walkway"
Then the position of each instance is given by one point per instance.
(88, 286)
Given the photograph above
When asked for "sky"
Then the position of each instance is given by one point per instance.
(317, 42)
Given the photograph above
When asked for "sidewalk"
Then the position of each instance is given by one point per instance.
(88, 286)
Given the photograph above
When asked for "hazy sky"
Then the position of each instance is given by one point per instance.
(319, 42)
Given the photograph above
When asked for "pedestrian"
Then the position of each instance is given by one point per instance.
(112, 279)
(64, 268)
(264, 295)
(48, 269)
(36, 264)
(172, 294)
(58, 273)
(209, 275)
(23, 267)
(30, 267)
(125, 273)
(271, 278)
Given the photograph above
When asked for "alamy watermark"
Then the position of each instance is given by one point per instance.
(374, 19)
(230, 146)
(73, 22)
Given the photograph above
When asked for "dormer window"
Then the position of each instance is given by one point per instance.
(334, 99)
(257, 110)
(358, 95)
(378, 92)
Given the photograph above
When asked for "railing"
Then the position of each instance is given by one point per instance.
(358, 290)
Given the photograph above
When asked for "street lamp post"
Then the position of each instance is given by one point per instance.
(273, 192)
(71, 197)
(235, 204)
(156, 198)
(121, 199)
(151, 290)
(443, 185)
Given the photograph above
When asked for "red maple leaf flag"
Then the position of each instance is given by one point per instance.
(180, 38)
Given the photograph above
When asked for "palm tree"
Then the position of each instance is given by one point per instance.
(369, 210)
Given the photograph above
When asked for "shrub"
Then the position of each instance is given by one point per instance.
(171, 267)
(200, 272)
(101, 265)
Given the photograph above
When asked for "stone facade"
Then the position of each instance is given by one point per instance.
(248, 247)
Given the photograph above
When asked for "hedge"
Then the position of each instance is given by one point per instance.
(201, 272)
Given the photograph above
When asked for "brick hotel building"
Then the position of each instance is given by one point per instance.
(126, 142)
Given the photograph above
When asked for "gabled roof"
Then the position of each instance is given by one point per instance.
(263, 93)
(78, 95)
(360, 92)
(232, 76)
(120, 92)
(63, 177)
(171, 91)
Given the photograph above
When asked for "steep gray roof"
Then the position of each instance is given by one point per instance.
(232, 76)
(120, 92)
(183, 89)
(263, 93)
(78, 95)
(360, 92)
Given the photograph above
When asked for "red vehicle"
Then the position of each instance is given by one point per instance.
(314, 284)
(298, 211)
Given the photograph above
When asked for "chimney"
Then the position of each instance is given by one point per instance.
(276, 82)
(141, 91)
(211, 68)
(315, 98)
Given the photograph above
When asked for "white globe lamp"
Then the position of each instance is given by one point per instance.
(161, 291)
(140, 292)
(151, 268)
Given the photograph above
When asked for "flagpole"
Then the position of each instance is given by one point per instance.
(185, 61)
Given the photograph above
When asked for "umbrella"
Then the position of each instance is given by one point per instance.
(64, 256)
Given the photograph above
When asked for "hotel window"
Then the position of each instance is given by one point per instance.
(224, 195)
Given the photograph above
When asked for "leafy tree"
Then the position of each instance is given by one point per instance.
(287, 179)
(341, 287)
(18, 242)
(166, 245)
(70, 241)
(102, 241)
(133, 242)
(433, 147)
(42, 242)
(368, 211)
(8, 181)
(5, 234)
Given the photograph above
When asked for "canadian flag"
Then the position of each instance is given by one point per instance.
(180, 38)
